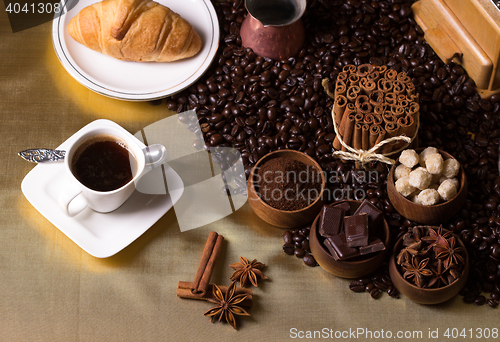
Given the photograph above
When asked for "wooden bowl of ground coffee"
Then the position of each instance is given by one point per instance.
(285, 188)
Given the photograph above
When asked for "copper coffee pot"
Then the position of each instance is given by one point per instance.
(273, 28)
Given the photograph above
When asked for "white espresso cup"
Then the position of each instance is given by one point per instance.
(78, 196)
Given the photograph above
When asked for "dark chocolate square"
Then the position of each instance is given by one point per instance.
(346, 206)
(375, 216)
(356, 230)
(331, 221)
(338, 248)
(375, 245)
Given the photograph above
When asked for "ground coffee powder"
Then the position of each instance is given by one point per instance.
(288, 184)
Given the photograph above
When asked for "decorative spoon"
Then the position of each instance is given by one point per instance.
(153, 153)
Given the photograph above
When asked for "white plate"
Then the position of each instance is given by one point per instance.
(136, 81)
(100, 235)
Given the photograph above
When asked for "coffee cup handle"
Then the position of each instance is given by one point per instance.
(72, 201)
(154, 155)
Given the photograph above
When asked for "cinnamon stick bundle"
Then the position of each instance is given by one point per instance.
(379, 103)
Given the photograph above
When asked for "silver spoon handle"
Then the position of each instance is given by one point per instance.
(42, 155)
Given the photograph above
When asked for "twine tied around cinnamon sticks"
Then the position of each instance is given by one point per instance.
(375, 113)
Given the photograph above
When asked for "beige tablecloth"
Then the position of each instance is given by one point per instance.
(51, 290)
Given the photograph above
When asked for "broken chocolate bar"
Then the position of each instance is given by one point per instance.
(337, 245)
(331, 221)
(375, 216)
(345, 206)
(356, 230)
(375, 245)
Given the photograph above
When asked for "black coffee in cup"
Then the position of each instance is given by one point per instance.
(103, 163)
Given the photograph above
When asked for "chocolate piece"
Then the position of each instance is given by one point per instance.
(331, 221)
(376, 245)
(345, 206)
(337, 245)
(356, 230)
(375, 216)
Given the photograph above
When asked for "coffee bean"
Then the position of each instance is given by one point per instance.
(480, 300)
(309, 260)
(357, 286)
(289, 248)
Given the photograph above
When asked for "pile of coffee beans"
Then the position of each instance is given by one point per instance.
(258, 105)
(375, 284)
(296, 242)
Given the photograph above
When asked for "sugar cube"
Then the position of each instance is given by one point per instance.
(409, 158)
(423, 155)
(434, 163)
(447, 190)
(403, 186)
(428, 197)
(420, 178)
(401, 171)
(450, 168)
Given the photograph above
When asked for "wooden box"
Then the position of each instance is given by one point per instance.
(466, 32)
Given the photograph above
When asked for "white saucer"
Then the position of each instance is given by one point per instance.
(135, 81)
(100, 235)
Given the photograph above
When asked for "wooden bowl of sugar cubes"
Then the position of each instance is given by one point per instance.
(427, 185)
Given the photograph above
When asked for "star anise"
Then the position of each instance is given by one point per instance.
(416, 271)
(412, 236)
(450, 253)
(403, 257)
(439, 275)
(226, 305)
(436, 236)
(247, 271)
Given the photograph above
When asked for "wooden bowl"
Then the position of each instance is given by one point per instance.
(352, 268)
(426, 295)
(422, 213)
(278, 217)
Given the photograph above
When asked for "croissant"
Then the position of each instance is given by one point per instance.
(135, 30)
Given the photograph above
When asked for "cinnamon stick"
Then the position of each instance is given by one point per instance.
(184, 291)
(210, 252)
(357, 142)
(391, 99)
(385, 85)
(364, 69)
(391, 74)
(365, 137)
(374, 133)
(391, 131)
(398, 87)
(377, 97)
(340, 88)
(340, 104)
(352, 93)
(367, 86)
(398, 111)
(346, 130)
